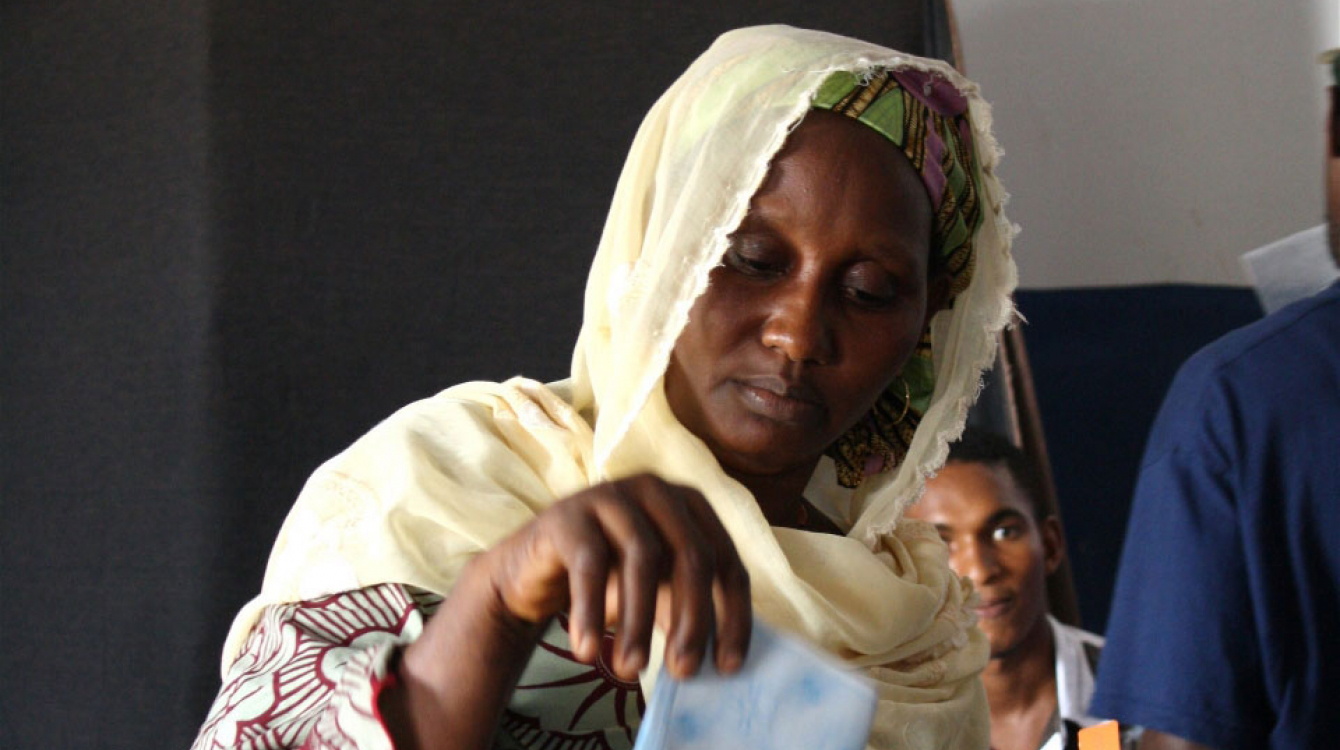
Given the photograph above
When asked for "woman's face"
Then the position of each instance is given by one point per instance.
(817, 305)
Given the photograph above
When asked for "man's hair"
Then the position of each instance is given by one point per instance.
(983, 447)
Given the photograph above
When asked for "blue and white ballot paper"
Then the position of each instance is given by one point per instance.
(786, 696)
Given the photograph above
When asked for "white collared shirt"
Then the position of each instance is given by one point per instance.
(1076, 666)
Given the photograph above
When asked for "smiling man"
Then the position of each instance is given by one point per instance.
(984, 503)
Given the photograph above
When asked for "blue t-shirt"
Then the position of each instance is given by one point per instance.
(1225, 625)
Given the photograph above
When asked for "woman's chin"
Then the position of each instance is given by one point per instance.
(765, 457)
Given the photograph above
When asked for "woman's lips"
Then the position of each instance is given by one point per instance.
(780, 400)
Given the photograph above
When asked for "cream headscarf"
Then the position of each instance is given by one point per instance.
(448, 477)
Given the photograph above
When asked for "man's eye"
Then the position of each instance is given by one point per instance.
(1006, 533)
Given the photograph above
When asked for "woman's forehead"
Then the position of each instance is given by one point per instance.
(832, 169)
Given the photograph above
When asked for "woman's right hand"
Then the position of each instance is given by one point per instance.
(626, 554)
(616, 552)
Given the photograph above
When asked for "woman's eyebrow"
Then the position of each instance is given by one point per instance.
(897, 253)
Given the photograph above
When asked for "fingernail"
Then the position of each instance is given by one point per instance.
(730, 662)
(685, 664)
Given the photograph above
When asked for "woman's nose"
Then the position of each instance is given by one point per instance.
(798, 325)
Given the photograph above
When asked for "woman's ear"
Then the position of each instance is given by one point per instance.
(1053, 543)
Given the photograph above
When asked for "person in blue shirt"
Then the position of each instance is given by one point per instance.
(1225, 624)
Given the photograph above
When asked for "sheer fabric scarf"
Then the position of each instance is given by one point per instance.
(448, 477)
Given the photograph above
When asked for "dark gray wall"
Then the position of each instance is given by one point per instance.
(110, 553)
(237, 234)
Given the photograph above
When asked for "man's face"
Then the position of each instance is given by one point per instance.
(993, 541)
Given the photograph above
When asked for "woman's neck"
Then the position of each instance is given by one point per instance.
(780, 496)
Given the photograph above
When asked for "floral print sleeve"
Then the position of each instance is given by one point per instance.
(310, 672)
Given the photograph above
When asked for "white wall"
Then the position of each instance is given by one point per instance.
(1153, 141)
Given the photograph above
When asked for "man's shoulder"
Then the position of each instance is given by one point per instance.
(1304, 329)
(1241, 372)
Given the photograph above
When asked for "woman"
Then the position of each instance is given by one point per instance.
(798, 285)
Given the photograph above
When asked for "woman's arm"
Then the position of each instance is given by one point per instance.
(451, 691)
(640, 540)
(371, 667)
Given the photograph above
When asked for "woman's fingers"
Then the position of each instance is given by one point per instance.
(731, 597)
(692, 572)
(580, 541)
(641, 536)
(640, 552)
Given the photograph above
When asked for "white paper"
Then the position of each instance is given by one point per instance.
(787, 696)
(1290, 269)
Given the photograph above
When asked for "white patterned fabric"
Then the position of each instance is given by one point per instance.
(309, 676)
(314, 665)
(448, 477)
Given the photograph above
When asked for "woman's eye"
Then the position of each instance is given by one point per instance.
(752, 262)
(870, 288)
(870, 298)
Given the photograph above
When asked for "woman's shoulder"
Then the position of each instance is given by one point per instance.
(480, 405)
(468, 427)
